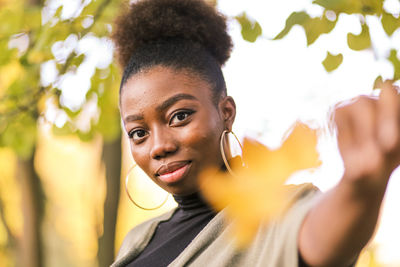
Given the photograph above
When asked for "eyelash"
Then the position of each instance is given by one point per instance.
(188, 113)
(131, 133)
(185, 112)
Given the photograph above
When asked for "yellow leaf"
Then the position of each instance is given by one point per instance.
(8, 74)
(332, 62)
(256, 193)
(42, 103)
(361, 41)
(5, 3)
(36, 57)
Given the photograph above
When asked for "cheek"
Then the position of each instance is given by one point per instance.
(203, 138)
(141, 158)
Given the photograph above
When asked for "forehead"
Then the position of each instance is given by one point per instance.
(148, 89)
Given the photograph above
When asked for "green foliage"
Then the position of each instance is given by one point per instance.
(378, 82)
(332, 62)
(6, 57)
(389, 23)
(393, 58)
(296, 18)
(109, 124)
(20, 135)
(313, 27)
(366, 7)
(22, 96)
(361, 41)
(251, 30)
(18, 17)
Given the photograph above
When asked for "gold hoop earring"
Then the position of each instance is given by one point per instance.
(221, 146)
(133, 201)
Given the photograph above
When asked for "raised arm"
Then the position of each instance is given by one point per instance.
(344, 219)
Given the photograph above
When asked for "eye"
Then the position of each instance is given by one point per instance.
(180, 117)
(137, 135)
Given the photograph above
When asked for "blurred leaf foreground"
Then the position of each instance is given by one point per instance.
(255, 193)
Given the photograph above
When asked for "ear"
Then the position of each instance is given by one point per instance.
(227, 109)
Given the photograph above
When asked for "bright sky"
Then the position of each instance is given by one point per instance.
(275, 83)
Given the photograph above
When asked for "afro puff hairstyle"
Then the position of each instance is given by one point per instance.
(183, 34)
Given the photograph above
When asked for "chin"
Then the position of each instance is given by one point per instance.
(179, 189)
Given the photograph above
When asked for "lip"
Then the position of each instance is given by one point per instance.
(173, 171)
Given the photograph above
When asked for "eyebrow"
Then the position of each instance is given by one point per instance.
(135, 117)
(164, 105)
(173, 99)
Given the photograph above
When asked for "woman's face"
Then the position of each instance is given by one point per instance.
(174, 126)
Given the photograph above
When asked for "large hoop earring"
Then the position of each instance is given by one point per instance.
(130, 197)
(221, 147)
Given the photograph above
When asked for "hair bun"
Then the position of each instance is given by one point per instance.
(152, 20)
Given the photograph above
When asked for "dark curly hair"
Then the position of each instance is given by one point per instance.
(183, 34)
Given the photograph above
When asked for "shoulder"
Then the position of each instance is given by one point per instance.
(276, 241)
(300, 201)
(137, 238)
(301, 193)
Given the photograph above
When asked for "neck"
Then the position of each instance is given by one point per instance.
(194, 200)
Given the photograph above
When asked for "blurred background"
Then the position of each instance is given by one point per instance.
(64, 157)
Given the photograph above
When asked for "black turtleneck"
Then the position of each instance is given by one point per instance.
(173, 236)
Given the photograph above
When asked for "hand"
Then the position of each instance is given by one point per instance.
(368, 132)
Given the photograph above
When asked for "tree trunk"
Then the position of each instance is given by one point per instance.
(11, 245)
(31, 247)
(112, 159)
(35, 2)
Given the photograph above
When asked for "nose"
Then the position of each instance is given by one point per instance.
(163, 144)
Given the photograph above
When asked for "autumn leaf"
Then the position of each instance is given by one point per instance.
(332, 62)
(352, 6)
(256, 193)
(390, 23)
(361, 41)
(378, 82)
(251, 30)
(393, 58)
(313, 27)
(296, 18)
(8, 74)
(382, 84)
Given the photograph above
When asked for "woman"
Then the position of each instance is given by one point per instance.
(175, 109)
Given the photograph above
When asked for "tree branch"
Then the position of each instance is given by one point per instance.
(96, 16)
(28, 106)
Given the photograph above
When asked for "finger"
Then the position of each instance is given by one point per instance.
(345, 138)
(347, 146)
(366, 158)
(362, 117)
(343, 130)
(357, 141)
(388, 118)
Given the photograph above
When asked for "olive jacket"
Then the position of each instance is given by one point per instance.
(275, 244)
